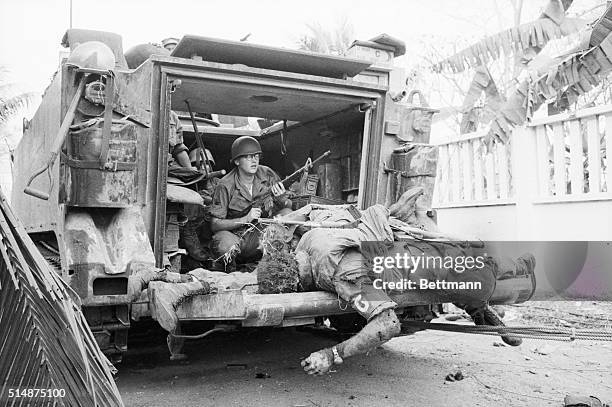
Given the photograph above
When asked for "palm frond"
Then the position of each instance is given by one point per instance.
(317, 39)
(7, 89)
(343, 36)
(335, 41)
(602, 27)
(533, 34)
(573, 76)
(45, 342)
(11, 105)
(482, 83)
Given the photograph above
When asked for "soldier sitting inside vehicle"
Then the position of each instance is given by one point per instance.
(180, 168)
(197, 215)
(177, 151)
(233, 206)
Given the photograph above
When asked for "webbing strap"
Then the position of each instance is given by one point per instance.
(109, 91)
(110, 166)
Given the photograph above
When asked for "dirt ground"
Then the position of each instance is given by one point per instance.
(261, 367)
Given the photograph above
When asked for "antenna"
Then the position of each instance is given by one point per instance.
(70, 13)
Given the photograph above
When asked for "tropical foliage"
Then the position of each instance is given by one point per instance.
(333, 41)
(12, 100)
(537, 77)
(45, 342)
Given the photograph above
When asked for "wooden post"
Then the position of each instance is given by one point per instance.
(608, 141)
(477, 146)
(542, 161)
(594, 156)
(467, 158)
(504, 171)
(576, 158)
(559, 159)
(490, 177)
(454, 175)
(525, 179)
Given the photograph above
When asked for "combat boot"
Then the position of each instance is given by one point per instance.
(491, 318)
(487, 316)
(191, 242)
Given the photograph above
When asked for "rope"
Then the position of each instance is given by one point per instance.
(577, 314)
(528, 332)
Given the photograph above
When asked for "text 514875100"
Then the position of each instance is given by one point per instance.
(36, 393)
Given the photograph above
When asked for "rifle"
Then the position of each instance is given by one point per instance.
(260, 199)
(309, 224)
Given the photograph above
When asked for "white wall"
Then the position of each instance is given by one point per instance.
(552, 221)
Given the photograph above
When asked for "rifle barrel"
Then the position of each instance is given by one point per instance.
(306, 166)
(257, 200)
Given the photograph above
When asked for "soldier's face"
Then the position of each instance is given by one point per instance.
(248, 163)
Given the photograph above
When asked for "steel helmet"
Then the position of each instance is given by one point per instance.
(92, 54)
(138, 54)
(172, 42)
(194, 153)
(245, 145)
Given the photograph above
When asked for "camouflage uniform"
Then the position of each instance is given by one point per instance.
(232, 200)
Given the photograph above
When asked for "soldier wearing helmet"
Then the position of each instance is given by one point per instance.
(232, 208)
(170, 43)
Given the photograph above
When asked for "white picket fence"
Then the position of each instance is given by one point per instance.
(469, 174)
(571, 151)
(570, 162)
(551, 181)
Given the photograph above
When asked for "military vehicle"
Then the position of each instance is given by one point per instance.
(93, 161)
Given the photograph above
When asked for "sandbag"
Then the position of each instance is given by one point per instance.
(174, 193)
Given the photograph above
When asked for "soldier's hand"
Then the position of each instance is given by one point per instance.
(268, 204)
(278, 189)
(254, 213)
(318, 362)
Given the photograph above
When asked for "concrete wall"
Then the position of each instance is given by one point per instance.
(591, 220)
